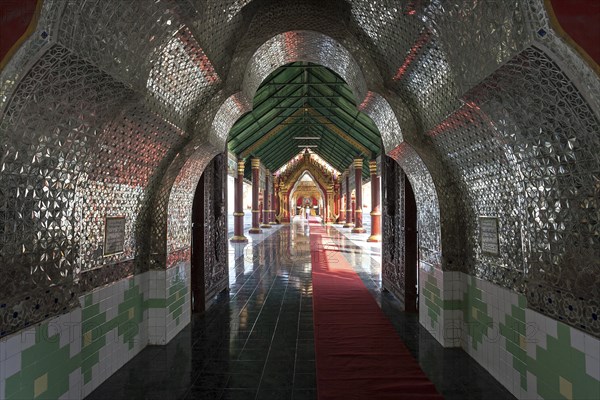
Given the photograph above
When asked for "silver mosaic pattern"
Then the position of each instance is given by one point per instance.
(485, 169)
(116, 110)
(552, 134)
(42, 168)
(303, 46)
(554, 46)
(232, 109)
(428, 212)
(120, 37)
(118, 189)
(179, 224)
(491, 32)
(380, 111)
(182, 75)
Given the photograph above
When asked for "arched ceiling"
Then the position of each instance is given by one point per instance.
(305, 105)
(115, 106)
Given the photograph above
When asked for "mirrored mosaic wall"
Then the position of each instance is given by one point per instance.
(112, 107)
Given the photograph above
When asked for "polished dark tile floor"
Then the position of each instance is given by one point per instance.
(257, 341)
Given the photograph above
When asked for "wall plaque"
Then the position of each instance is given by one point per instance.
(114, 235)
(488, 231)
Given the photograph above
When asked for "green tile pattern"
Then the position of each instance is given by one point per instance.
(44, 357)
(127, 321)
(560, 359)
(176, 299)
(433, 300)
(514, 330)
(475, 314)
(452, 305)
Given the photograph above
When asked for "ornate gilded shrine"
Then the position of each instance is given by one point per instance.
(306, 176)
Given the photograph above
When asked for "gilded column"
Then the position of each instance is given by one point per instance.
(375, 204)
(349, 212)
(283, 203)
(342, 200)
(330, 211)
(266, 204)
(273, 220)
(358, 226)
(238, 212)
(255, 186)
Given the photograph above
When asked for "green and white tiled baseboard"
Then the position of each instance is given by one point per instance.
(440, 304)
(69, 356)
(169, 297)
(533, 356)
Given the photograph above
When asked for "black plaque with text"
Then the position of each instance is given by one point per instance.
(114, 235)
(488, 231)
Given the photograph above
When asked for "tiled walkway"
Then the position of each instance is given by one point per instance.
(257, 341)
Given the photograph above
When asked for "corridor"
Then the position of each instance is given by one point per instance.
(156, 156)
(257, 342)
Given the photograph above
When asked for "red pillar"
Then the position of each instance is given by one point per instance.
(375, 204)
(358, 226)
(255, 206)
(238, 212)
(266, 204)
(349, 212)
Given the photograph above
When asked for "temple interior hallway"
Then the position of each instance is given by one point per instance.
(257, 341)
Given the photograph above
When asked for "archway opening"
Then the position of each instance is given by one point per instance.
(301, 107)
(208, 259)
(401, 258)
(197, 258)
(306, 197)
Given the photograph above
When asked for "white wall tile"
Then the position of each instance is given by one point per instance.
(12, 365)
(577, 339)
(551, 327)
(14, 344)
(592, 367)
(592, 346)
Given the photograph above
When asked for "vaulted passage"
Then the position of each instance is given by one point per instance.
(160, 161)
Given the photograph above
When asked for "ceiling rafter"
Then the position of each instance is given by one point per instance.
(299, 100)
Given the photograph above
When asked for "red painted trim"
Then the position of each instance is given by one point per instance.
(580, 19)
(15, 19)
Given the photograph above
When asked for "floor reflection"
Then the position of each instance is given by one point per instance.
(257, 341)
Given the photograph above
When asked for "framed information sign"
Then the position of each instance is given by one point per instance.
(114, 235)
(488, 232)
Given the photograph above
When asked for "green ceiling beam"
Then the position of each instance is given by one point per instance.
(278, 116)
(351, 117)
(341, 133)
(264, 139)
(274, 149)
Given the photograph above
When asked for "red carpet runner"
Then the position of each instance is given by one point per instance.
(358, 353)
